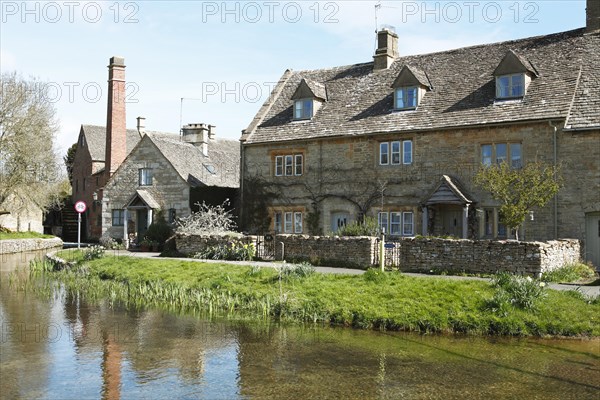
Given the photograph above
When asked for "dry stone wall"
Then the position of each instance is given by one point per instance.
(23, 245)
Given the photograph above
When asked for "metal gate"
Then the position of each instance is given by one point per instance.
(392, 252)
(265, 247)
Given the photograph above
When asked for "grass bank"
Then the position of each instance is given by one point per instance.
(23, 235)
(372, 301)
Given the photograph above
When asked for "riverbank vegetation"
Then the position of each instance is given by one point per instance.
(9, 235)
(374, 300)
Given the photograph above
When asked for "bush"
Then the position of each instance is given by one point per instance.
(516, 291)
(570, 273)
(93, 253)
(368, 227)
(110, 244)
(209, 220)
(159, 231)
(234, 250)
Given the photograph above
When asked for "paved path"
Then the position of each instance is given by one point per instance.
(587, 290)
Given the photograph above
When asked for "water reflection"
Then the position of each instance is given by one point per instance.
(65, 348)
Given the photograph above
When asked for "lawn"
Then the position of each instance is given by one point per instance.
(373, 300)
(23, 235)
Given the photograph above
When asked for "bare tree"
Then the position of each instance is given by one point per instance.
(29, 171)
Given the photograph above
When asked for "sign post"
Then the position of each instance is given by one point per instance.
(80, 207)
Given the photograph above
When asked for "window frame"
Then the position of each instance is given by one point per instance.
(385, 226)
(301, 106)
(492, 159)
(119, 218)
(510, 86)
(404, 91)
(298, 223)
(386, 153)
(145, 175)
(278, 222)
(291, 222)
(395, 224)
(279, 166)
(298, 164)
(288, 163)
(404, 143)
(405, 224)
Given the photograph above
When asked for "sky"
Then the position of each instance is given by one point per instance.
(217, 61)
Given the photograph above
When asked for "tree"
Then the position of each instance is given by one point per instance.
(519, 190)
(29, 171)
(69, 159)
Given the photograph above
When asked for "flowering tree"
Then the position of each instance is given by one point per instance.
(208, 220)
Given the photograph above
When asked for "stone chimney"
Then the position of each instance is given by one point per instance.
(198, 135)
(592, 15)
(387, 48)
(116, 134)
(141, 125)
(212, 131)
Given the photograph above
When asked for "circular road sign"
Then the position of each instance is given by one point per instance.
(80, 207)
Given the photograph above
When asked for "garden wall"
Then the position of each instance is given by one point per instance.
(486, 256)
(327, 250)
(12, 246)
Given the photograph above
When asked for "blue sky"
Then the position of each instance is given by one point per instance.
(223, 58)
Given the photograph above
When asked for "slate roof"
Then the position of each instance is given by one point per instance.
(360, 101)
(95, 137)
(220, 168)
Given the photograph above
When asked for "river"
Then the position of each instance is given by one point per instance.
(58, 347)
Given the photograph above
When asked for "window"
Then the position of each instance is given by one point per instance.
(288, 228)
(279, 166)
(395, 223)
(118, 217)
(145, 175)
(397, 157)
(407, 224)
(383, 222)
(406, 98)
(510, 86)
(277, 223)
(297, 222)
(303, 109)
(488, 222)
(502, 152)
(289, 165)
(172, 215)
(298, 158)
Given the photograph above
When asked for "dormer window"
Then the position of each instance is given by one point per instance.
(513, 76)
(308, 98)
(510, 86)
(303, 109)
(409, 88)
(406, 98)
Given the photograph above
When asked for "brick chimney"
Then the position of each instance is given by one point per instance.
(592, 15)
(198, 135)
(387, 48)
(116, 135)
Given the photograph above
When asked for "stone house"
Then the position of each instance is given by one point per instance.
(170, 173)
(155, 170)
(400, 139)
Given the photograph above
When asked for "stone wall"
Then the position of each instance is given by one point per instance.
(332, 251)
(23, 245)
(486, 256)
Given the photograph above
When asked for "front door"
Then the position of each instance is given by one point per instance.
(142, 223)
(592, 238)
(452, 222)
(339, 220)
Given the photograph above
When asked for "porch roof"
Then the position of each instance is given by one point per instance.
(448, 191)
(142, 199)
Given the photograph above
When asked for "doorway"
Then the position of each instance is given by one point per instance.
(452, 221)
(142, 223)
(339, 220)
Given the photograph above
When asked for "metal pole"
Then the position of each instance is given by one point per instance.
(79, 230)
(382, 250)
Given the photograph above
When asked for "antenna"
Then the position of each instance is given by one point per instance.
(181, 113)
(377, 8)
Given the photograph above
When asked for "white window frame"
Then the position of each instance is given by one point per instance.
(298, 164)
(385, 153)
(279, 166)
(288, 166)
(404, 93)
(395, 152)
(297, 222)
(288, 226)
(303, 109)
(145, 176)
(405, 224)
(383, 224)
(405, 144)
(395, 222)
(277, 222)
(506, 91)
(118, 217)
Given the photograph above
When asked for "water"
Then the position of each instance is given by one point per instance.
(66, 349)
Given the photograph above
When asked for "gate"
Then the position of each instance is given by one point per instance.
(392, 252)
(265, 247)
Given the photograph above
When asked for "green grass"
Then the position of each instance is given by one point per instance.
(23, 235)
(570, 273)
(374, 300)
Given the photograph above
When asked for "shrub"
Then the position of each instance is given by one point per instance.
(110, 244)
(93, 253)
(570, 273)
(208, 220)
(368, 227)
(234, 250)
(159, 231)
(375, 275)
(517, 291)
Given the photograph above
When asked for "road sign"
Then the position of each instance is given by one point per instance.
(390, 245)
(80, 207)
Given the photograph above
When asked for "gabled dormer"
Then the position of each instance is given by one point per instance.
(513, 76)
(409, 88)
(308, 98)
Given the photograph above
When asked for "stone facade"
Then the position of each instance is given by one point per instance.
(25, 245)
